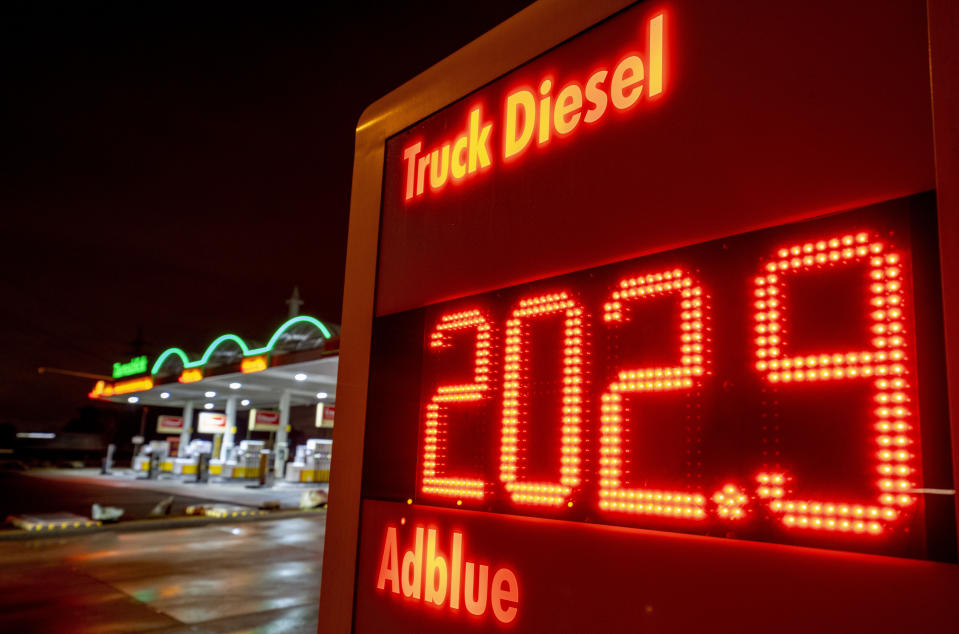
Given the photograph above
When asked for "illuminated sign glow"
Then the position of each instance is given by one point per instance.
(538, 113)
(640, 311)
(137, 365)
(191, 375)
(613, 425)
(170, 424)
(432, 578)
(883, 365)
(103, 389)
(252, 353)
(760, 387)
(211, 423)
(254, 364)
(252, 360)
(436, 410)
(264, 420)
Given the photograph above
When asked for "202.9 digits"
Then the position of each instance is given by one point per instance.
(881, 365)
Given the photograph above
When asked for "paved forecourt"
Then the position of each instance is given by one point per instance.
(232, 577)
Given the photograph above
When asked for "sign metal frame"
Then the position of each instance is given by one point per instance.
(531, 32)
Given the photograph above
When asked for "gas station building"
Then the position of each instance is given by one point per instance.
(285, 385)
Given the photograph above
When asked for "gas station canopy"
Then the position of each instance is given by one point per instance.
(300, 360)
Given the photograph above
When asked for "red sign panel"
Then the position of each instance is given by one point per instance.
(659, 306)
(741, 133)
(491, 573)
(765, 386)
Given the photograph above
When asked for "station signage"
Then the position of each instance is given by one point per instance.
(136, 365)
(169, 424)
(324, 415)
(191, 375)
(103, 389)
(211, 423)
(264, 420)
(256, 363)
(537, 114)
(427, 575)
(654, 329)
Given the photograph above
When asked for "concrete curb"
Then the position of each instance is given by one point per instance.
(155, 524)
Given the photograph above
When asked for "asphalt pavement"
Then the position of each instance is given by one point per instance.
(232, 578)
(76, 490)
(26, 494)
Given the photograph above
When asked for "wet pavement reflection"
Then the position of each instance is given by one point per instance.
(249, 577)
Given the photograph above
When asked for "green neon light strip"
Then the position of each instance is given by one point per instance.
(246, 350)
(213, 346)
(167, 353)
(303, 319)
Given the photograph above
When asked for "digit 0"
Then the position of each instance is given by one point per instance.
(512, 451)
(435, 481)
(614, 496)
(882, 365)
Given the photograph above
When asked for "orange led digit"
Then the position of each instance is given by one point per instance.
(515, 379)
(882, 365)
(730, 501)
(614, 496)
(435, 482)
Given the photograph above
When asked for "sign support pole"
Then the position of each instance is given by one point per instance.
(230, 427)
(187, 424)
(279, 447)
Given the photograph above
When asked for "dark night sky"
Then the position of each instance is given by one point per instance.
(179, 169)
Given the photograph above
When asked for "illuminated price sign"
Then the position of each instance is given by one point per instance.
(767, 386)
(568, 406)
